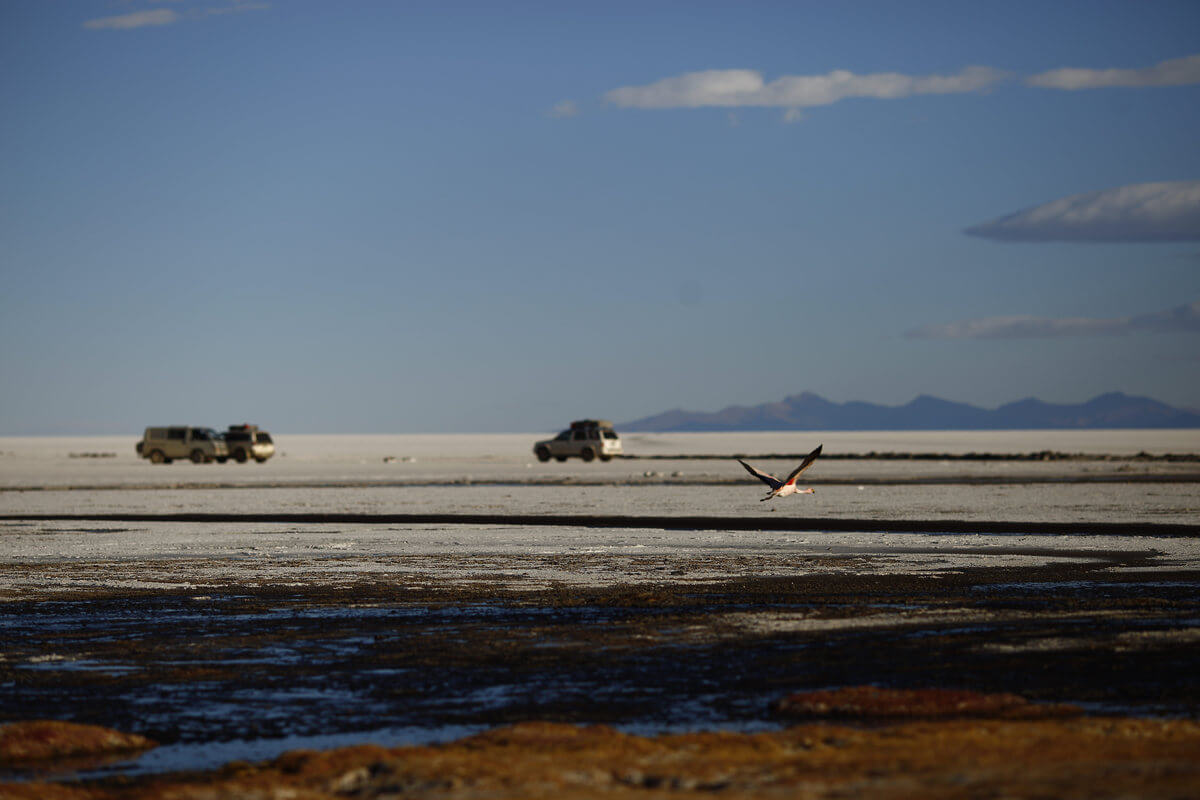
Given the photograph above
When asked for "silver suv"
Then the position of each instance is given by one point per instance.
(247, 441)
(586, 438)
(163, 445)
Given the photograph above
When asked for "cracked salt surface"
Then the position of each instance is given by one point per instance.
(196, 556)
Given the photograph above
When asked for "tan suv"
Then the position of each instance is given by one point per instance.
(247, 441)
(586, 438)
(163, 445)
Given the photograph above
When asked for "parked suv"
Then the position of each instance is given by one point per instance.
(586, 438)
(247, 441)
(163, 445)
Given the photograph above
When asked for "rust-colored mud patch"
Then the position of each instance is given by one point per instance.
(1077, 758)
(36, 741)
(873, 703)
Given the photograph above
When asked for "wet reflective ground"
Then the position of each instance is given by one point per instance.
(327, 598)
(370, 653)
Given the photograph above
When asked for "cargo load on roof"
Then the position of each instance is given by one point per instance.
(591, 423)
(586, 438)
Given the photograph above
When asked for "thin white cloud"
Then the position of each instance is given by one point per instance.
(732, 88)
(1176, 72)
(138, 19)
(166, 16)
(1143, 212)
(1173, 320)
(735, 88)
(565, 109)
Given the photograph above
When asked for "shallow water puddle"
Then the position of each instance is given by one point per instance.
(244, 676)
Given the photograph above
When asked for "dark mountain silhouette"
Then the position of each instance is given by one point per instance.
(811, 412)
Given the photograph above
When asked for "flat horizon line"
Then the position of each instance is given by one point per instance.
(814, 431)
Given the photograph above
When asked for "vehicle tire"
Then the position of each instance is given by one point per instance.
(159, 457)
(587, 454)
(543, 453)
(239, 456)
(197, 456)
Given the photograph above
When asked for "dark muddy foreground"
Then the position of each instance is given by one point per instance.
(374, 653)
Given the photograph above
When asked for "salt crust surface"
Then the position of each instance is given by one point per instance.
(66, 556)
(322, 459)
(128, 554)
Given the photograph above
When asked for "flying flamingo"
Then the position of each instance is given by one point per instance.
(784, 488)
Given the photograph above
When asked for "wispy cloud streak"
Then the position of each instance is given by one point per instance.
(1176, 72)
(165, 16)
(1173, 320)
(565, 109)
(1144, 212)
(138, 19)
(735, 88)
(730, 88)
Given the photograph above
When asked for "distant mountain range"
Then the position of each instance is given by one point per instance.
(811, 412)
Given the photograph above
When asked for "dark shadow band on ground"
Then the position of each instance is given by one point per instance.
(681, 523)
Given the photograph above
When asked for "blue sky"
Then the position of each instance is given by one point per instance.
(404, 217)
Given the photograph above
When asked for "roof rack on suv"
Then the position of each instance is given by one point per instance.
(247, 441)
(585, 438)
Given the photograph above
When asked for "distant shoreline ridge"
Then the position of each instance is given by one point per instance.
(811, 412)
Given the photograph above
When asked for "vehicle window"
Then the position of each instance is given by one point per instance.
(563, 437)
(610, 434)
(177, 433)
(264, 438)
(580, 436)
(234, 436)
(199, 434)
(593, 433)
